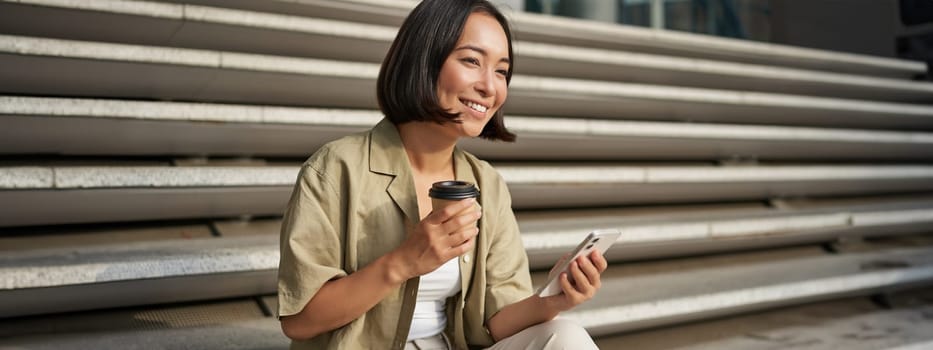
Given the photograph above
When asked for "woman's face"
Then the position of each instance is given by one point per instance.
(472, 80)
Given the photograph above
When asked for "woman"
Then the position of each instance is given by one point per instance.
(365, 262)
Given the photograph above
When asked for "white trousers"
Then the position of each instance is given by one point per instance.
(557, 334)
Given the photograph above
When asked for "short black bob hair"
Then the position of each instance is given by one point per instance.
(407, 84)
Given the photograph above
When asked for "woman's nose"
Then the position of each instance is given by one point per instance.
(485, 84)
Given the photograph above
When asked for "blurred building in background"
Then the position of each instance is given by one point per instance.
(857, 26)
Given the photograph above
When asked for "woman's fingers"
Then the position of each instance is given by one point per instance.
(456, 243)
(598, 260)
(457, 217)
(580, 280)
(590, 270)
(466, 219)
(586, 280)
(572, 293)
(463, 248)
(439, 217)
(462, 236)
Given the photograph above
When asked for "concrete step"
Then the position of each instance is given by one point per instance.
(554, 185)
(567, 31)
(68, 126)
(78, 237)
(229, 324)
(175, 263)
(667, 232)
(77, 68)
(635, 297)
(80, 194)
(216, 28)
(116, 194)
(602, 64)
(202, 27)
(104, 276)
(854, 323)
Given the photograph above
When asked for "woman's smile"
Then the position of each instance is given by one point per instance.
(475, 106)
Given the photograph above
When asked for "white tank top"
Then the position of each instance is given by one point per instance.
(435, 287)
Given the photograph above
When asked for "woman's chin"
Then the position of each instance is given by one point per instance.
(472, 132)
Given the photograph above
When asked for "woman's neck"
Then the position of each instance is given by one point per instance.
(430, 149)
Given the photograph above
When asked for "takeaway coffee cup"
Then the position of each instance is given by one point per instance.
(445, 193)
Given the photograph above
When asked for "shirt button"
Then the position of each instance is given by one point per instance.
(466, 258)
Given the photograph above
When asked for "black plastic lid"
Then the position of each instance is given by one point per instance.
(453, 190)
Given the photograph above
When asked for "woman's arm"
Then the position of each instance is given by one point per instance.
(343, 300)
(441, 236)
(533, 310)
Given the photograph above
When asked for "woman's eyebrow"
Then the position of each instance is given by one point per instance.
(481, 51)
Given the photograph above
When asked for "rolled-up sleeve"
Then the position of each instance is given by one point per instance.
(508, 279)
(311, 241)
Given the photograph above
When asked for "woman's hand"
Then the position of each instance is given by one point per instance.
(442, 235)
(586, 272)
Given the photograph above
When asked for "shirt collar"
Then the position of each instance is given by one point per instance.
(387, 156)
(386, 153)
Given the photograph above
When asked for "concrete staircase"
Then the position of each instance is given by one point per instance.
(147, 149)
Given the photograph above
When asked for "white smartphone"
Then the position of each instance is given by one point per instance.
(597, 240)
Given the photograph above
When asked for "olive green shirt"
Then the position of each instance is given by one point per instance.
(353, 202)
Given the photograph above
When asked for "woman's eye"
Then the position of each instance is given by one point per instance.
(503, 72)
(471, 60)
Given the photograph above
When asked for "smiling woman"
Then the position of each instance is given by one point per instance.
(368, 263)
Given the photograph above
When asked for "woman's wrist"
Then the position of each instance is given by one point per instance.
(520, 315)
(550, 307)
(395, 269)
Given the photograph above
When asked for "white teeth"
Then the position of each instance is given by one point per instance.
(476, 106)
